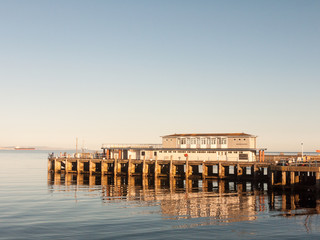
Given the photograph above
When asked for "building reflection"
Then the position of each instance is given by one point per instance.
(224, 201)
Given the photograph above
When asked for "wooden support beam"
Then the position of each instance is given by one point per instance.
(187, 168)
(221, 186)
(221, 171)
(57, 166)
(90, 167)
(68, 166)
(115, 167)
(49, 165)
(271, 178)
(145, 167)
(283, 178)
(297, 178)
(292, 178)
(131, 167)
(204, 170)
(104, 167)
(173, 168)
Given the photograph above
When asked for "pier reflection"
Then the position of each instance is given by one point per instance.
(221, 200)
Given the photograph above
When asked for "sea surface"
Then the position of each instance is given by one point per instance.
(38, 205)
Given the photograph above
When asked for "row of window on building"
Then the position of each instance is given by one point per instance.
(202, 141)
(221, 153)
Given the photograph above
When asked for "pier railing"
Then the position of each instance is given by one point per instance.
(121, 146)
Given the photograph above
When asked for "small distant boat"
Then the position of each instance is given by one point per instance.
(24, 148)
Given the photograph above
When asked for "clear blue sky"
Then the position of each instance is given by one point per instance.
(131, 71)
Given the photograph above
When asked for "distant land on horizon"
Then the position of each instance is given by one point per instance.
(36, 148)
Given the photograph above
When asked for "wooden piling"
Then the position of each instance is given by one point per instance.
(283, 178)
(204, 170)
(221, 171)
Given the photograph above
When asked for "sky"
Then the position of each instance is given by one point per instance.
(133, 71)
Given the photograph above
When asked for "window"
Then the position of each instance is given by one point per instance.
(243, 156)
(193, 141)
(203, 141)
(183, 141)
(155, 154)
(143, 153)
(188, 140)
(214, 141)
(223, 141)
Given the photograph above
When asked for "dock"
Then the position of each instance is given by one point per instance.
(276, 176)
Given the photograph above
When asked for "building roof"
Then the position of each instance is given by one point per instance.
(210, 135)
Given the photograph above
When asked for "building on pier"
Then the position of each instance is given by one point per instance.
(208, 146)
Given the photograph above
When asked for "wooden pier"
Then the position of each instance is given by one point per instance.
(284, 176)
(160, 168)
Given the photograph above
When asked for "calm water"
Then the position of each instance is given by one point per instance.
(35, 205)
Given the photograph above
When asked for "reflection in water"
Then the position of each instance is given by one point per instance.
(218, 200)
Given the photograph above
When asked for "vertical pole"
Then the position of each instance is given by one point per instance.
(66, 167)
(156, 168)
(172, 168)
(272, 178)
(49, 165)
(90, 167)
(76, 146)
(204, 170)
(221, 172)
(292, 177)
(283, 178)
(129, 166)
(144, 167)
(115, 166)
(187, 168)
(103, 168)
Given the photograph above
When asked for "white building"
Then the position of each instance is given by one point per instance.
(207, 146)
